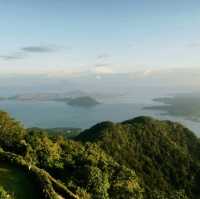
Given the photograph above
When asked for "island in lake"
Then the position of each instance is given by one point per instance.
(72, 100)
(84, 101)
(183, 105)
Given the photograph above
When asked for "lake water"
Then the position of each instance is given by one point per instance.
(57, 114)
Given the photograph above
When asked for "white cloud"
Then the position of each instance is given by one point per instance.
(47, 71)
(103, 70)
(194, 44)
(144, 73)
(103, 56)
(59, 71)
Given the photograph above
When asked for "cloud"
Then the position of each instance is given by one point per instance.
(193, 45)
(103, 70)
(103, 56)
(9, 57)
(132, 45)
(101, 64)
(14, 56)
(26, 50)
(40, 49)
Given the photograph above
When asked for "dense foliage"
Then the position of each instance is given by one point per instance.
(12, 133)
(139, 158)
(4, 194)
(164, 155)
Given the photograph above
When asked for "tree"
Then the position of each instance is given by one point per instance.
(12, 133)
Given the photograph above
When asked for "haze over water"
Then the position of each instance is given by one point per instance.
(114, 108)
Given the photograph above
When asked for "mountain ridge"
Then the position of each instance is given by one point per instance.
(163, 149)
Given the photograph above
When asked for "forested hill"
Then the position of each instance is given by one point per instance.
(136, 159)
(165, 155)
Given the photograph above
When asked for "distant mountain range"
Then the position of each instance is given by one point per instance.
(71, 98)
(186, 105)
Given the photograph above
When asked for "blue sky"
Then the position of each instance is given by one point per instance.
(98, 36)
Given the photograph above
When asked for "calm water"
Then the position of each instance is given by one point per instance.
(56, 114)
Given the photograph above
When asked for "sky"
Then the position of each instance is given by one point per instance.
(68, 38)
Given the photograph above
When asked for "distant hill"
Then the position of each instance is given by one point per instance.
(71, 98)
(181, 105)
(165, 155)
(46, 96)
(65, 132)
(84, 101)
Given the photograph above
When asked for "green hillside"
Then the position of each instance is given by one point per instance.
(141, 158)
(164, 155)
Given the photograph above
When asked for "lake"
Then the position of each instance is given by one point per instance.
(57, 114)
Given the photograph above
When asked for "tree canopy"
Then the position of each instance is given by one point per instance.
(139, 158)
